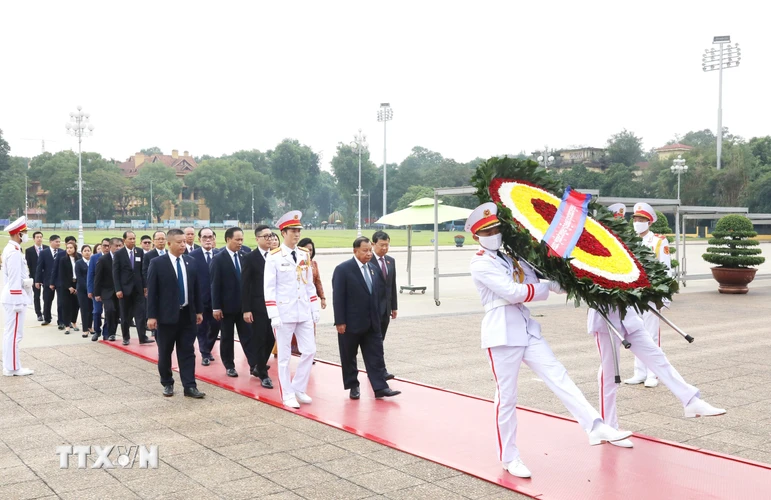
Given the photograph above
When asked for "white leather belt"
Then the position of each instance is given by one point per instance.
(496, 303)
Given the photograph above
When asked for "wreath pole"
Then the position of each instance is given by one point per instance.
(672, 325)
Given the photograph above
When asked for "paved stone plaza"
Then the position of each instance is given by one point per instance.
(228, 446)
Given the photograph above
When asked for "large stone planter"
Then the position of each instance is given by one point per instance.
(733, 279)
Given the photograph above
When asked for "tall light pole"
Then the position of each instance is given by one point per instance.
(544, 160)
(678, 167)
(359, 144)
(252, 206)
(724, 57)
(385, 114)
(152, 220)
(80, 127)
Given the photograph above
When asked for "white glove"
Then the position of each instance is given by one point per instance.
(316, 316)
(275, 323)
(27, 284)
(555, 287)
(17, 308)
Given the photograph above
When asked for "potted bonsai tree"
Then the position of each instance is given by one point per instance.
(734, 251)
(459, 239)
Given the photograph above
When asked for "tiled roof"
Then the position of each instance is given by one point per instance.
(181, 164)
(675, 147)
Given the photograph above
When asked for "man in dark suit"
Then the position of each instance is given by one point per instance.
(130, 288)
(209, 328)
(253, 302)
(174, 307)
(104, 289)
(385, 270)
(226, 303)
(31, 255)
(103, 249)
(159, 248)
(357, 318)
(44, 277)
(190, 240)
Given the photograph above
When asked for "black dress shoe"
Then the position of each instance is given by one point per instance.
(40, 317)
(168, 390)
(267, 367)
(147, 341)
(111, 338)
(355, 393)
(231, 372)
(266, 383)
(125, 342)
(389, 376)
(60, 327)
(205, 361)
(94, 337)
(75, 329)
(46, 323)
(211, 358)
(386, 393)
(66, 332)
(193, 392)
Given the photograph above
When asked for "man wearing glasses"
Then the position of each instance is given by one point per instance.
(209, 328)
(103, 248)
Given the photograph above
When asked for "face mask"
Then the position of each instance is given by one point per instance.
(491, 242)
(640, 227)
(24, 238)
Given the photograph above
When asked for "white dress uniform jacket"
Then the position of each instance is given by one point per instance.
(507, 320)
(17, 286)
(659, 245)
(289, 290)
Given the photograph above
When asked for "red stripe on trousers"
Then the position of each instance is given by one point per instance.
(602, 377)
(497, 406)
(15, 331)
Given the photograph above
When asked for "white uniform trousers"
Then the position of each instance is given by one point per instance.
(505, 362)
(649, 353)
(12, 335)
(653, 326)
(306, 343)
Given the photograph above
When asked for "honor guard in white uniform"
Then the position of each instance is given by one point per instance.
(633, 329)
(512, 337)
(293, 308)
(16, 296)
(643, 217)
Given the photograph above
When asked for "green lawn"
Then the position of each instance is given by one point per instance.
(321, 237)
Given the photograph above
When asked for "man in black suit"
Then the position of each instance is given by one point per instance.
(190, 239)
(130, 288)
(31, 255)
(385, 270)
(60, 297)
(209, 328)
(44, 276)
(146, 243)
(174, 307)
(253, 302)
(226, 304)
(104, 289)
(159, 248)
(357, 318)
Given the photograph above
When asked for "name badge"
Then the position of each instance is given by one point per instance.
(137, 259)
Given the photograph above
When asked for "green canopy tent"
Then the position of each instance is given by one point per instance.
(421, 212)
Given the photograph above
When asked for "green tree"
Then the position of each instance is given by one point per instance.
(579, 177)
(345, 167)
(226, 185)
(620, 180)
(155, 150)
(325, 196)
(412, 171)
(758, 196)
(12, 190)
(761, 149)
(165, 187)
(625, 148)
(294, 168)
(4, 154)
(414, 193)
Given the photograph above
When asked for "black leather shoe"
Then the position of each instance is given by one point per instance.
(60, 327)
(94, 337)
(111, 338)
(75, 329)
(267, 367)
(205, 361)
(46, 323)
(125, 342)
(40, 317)
(389, 376)
(193, 392)
(66, 332)
(355, 393)
(168, 390)
(147, 341)
(254, 372)
(266, 383)
(386, 393)
(231, 372)
(211, 358)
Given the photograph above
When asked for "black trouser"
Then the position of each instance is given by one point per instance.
(245, 335)
(69, 302)
(207, 332)
(182, 336)
(264, 338)
(110, 307)
(36, 300)
(371, 344)
(86, 309)
(384, 322)
(133, 306)
(48, 300)
(60, 318)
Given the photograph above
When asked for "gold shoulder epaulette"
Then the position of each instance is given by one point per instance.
(275, 250)
(304, 249)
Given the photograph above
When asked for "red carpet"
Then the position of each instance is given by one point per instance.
(458, 431)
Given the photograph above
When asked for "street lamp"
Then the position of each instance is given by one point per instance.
(543, 160)
(384, 114)
(678, 167)
(719, 59)
(358, 145)
(80, 127)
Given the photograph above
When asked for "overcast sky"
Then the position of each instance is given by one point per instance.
(465, 79)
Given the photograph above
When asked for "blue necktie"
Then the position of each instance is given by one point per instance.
(181, 283)
(208, 258)
(238, 267)
(367, 278)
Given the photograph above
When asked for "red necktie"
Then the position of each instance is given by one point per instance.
(383, 268)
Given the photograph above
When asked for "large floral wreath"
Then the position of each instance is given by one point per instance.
(608, 268)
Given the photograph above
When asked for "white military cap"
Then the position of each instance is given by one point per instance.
(618, 210)
(484, 216)
(642, 209)
(290, 219)
(17, 226)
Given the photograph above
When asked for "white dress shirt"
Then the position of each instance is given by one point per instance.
(184, 271)
(72, 261)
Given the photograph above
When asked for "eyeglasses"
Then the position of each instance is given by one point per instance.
(207, 237)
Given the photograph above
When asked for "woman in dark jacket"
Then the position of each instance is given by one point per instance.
(86, 305)
(67, 287)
